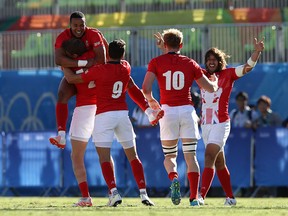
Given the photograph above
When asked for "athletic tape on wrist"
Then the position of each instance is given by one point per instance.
(82, 63)
(251, 63)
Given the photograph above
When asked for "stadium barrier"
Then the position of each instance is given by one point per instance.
(29, 160)
(28, 97)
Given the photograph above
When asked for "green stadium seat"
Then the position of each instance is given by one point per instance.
(166, 1)
(35, 46)
(32, 4)
(75, 3)
(139, 2)
(71, 3)
(191, 40)
(270, 39)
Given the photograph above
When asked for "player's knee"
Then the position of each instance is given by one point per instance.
(170, 151)
(189, 147)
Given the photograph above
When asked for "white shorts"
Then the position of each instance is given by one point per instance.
(179, 122)
(82, 123)
(114, 122)
(216, 133)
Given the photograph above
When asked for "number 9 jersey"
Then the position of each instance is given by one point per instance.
(111, 82)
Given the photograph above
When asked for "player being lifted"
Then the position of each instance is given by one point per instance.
(97, 44)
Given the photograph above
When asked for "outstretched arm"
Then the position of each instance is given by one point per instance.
(252, 61)
(210, 84)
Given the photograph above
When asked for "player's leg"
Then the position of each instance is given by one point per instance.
(211, 153)
(193, 170)
(103, 135)
(126, 136)
(215, 136)
(224, 178)
(108, 174)
(169, 134)
(65, 92)
(189, 134)
(170, 149)
(138, 172)
(77, 157)
(80, 131)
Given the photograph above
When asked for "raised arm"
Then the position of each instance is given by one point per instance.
(252, 61)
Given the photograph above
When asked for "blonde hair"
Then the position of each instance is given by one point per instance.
(173, 38)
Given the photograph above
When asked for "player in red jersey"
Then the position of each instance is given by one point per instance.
(175, 74)
(113, 80)
(215, 120)
(82, 122)
(95, 42)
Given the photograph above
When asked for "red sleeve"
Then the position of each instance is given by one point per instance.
(61, 37)
(152, 66)
(198, 70)
(127, 66)
(137, 96)
(95, 37)
(232, 71)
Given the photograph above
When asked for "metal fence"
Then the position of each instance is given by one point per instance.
(12, 8)
(34, 49)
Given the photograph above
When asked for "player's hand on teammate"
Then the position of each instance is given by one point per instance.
(90, 63)
(259, 45)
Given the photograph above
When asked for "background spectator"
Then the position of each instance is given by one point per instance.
(285, 123)
(243, 115)
(266, 116)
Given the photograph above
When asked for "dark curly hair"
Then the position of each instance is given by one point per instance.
(219, 55)
(74, 46)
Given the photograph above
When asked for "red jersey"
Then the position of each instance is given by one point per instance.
(215, 105)
(175, 74)
(92, 38)
(86, 92)
(111, 81)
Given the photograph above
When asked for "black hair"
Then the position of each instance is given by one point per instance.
(74, 46)
(77, 14)
(243, 95)
(116, 49)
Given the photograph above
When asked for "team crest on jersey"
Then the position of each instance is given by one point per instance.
(96, 44)
(87, 43)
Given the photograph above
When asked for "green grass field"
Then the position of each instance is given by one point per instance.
(24, 206)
